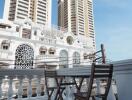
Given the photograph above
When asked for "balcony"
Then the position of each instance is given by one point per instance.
(29, 83)
(50, 60)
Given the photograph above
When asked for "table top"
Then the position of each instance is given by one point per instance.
(75, 72)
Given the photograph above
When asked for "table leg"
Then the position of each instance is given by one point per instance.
(59, 91)
(78, 87)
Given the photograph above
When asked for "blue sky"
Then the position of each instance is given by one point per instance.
(113, 26)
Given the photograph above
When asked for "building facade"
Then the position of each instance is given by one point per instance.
(39, 11)
(76, 16)
(24, 44)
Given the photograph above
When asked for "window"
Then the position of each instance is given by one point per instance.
(85, 56)
(52, 51)
(42, 50)
(35, 32)
(70, 40)
(17, 29)
(24, 57)
(5, 44)
(76, 58)
(26, 33)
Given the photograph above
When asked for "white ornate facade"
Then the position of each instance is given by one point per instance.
(24, 44)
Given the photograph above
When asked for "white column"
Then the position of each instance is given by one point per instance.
(20, 89)
(32, 33)
(20, 31)
(30, 87)
(10, 89)
(45, 91)
(70, 58)
(0, 87)
(38, 90)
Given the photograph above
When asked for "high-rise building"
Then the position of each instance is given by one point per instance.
(76, 16)
(39, 11)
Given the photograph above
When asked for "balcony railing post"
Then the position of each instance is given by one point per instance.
(30, 86)
(38, 90)
(10, 89)
(20, 89)
(0, 87)
(45, 91)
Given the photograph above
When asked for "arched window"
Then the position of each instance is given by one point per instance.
(52, 51)
(24, 57)
(26, 33)
(42, 50)
(63, 59)
(5, 44)
(76, 58)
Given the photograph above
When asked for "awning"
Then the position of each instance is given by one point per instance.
(52, 49)
(43, 48)
(6, 42)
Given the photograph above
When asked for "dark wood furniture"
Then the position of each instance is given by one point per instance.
(101, 57)
(52, 74)
(98, 56)
(102, 71)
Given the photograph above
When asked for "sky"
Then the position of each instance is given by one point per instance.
(113, 26)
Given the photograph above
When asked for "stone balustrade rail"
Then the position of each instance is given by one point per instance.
(34, 78)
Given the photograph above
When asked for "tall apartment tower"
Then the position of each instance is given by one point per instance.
(39, 11)
(77, 16)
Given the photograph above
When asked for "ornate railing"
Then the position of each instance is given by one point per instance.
(22, 83)
(29, 83)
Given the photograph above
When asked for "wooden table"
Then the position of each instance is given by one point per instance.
(76, 72)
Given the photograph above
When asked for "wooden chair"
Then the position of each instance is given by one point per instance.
(101, 71)
(102, 56)
(98, 56)
(50, 90)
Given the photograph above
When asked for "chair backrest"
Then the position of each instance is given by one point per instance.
(98, 56)
(102, 71)
(50, 73)
(101, 57)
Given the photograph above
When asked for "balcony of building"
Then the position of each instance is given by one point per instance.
(29, 84)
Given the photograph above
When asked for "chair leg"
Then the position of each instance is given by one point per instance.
(116, 96)
(49, 98)
(93, 98)
(104, 98)
(75, 99)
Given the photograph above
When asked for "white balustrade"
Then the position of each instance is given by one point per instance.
(20, 83)
(20, 89)
(30, 87)
(0, 87)
(38, 90)
(10, 89)
(122, 74)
